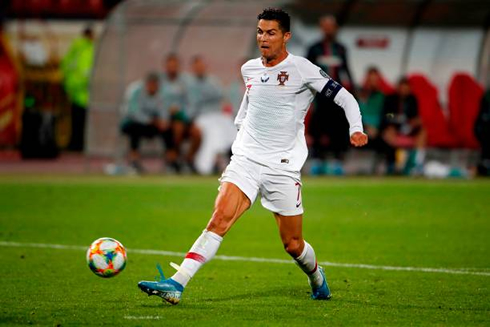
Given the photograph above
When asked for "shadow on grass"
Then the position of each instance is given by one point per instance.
(290, 293)
(286, 293)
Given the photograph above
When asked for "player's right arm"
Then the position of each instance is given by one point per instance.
(242, 111)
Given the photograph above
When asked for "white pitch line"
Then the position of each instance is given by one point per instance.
(460, 271)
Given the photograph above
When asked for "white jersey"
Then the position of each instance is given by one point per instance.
(271, 116)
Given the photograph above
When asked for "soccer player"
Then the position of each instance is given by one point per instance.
(268, 154)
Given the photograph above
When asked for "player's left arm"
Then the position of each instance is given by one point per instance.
(346, 101)
(317, 80)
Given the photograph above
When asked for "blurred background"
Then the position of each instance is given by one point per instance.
(152, 86)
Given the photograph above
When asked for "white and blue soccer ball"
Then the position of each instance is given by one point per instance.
(106, 257)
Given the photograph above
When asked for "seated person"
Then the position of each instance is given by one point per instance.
(206, 111)
(482, 132)
(401, 127)
(371, 102)
(145, 118)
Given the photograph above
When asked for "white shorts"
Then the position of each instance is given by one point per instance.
(280, 190)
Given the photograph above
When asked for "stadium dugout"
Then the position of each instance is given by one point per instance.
(442, 46)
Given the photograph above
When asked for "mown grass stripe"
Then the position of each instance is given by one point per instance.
(460, 271)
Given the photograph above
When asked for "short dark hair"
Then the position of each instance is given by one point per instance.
(278, 15)
(172, 56)
(152, 77)
(403, 80)
(196, 58)
(88, 31)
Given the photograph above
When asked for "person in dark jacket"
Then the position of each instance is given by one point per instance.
(328, 129)
(482, 132)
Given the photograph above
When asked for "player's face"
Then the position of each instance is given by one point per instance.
(329, 27)
(152, 87)
(404, 89)
(373, 80)
(199, 68)
(270, 38)
(172, 66)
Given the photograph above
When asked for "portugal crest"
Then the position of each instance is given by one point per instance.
(282, 77)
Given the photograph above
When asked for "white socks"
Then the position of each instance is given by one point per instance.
(207, 245)
(307, 262)
(201, 252)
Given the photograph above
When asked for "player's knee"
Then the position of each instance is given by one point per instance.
(294, 246)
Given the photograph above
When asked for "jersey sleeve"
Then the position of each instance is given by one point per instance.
(242, 111)
(316, 79)
(346, 101)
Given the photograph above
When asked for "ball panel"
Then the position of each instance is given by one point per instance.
(108, 245)
(118, 261)
(100, 261)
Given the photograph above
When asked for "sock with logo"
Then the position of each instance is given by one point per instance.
(201, 252)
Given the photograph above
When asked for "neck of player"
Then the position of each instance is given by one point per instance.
(272, 61)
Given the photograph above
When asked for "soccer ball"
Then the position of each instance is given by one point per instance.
(106, 257)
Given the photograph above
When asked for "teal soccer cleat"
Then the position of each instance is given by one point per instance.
(167, 289)
(323, 292)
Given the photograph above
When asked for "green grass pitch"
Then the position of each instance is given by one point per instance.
(380, 222)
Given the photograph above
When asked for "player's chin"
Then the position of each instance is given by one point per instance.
(266, 51)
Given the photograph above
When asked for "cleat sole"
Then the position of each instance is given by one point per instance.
(322, 298)
(164, 295)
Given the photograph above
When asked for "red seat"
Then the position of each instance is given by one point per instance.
(37, 6)
(8, 99)
(465, 95)
(430, 111)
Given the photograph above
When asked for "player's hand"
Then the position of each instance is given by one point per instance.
(358, 139)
